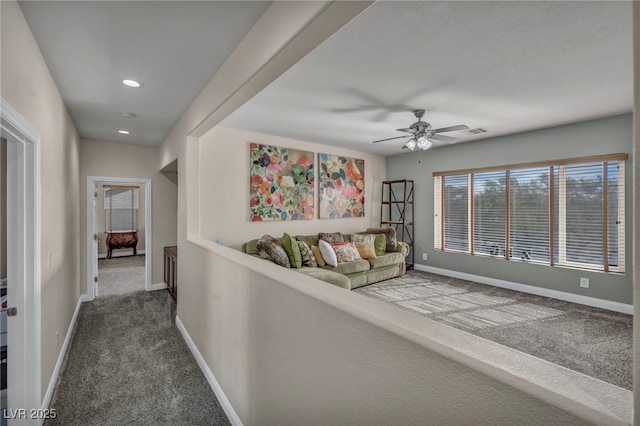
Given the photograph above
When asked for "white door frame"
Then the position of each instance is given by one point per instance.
(91, 230)
(23, 259)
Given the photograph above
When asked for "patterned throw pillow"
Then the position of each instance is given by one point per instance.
(366, 250)
(390, 233)
(363, 238)
(308, 258)
(318, 256)
(346, 252)
(271, 248)
(328, 254)
(331, 237)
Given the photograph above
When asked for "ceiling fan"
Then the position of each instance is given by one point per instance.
(422, 135)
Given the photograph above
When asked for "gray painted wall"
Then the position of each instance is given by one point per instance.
(602, 136)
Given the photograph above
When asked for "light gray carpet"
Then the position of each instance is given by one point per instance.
(128, 365)
(120, 275)
(589, 340)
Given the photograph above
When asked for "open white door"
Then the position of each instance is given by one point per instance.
(23, 265)
(96, 241)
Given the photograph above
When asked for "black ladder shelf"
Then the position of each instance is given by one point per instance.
(397, 197)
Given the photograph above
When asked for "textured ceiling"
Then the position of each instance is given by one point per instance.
(504, 66)
(174, 48)
(507, 67)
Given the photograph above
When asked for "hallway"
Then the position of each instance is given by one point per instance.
(120, 275)
(128, 364)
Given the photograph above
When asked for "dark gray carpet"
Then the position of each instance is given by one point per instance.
(593, 341)
(128, 365)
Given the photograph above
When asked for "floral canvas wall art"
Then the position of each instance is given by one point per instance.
(282, 183)
(341, 187)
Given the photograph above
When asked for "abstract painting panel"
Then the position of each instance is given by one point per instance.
(341, 187)
(282, 183)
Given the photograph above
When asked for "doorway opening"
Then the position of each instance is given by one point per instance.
(119, 247)
(23, 210)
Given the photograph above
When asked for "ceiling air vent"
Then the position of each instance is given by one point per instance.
(476, 131)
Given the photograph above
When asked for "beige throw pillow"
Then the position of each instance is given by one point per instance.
(318, 256)
(366, 250)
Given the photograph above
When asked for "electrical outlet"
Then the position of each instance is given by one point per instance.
(424, 256)
(584, 282)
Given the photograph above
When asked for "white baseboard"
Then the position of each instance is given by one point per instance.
(222, 398)
(158, 286)
(531, 289)
(63, 351)
(120, 254)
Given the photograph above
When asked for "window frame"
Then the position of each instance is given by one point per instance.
(135, 207)
(556, 171)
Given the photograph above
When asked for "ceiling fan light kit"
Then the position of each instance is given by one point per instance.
(422, 135)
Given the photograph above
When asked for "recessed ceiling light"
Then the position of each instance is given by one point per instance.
(124, 132)
(131, 83)
(127, 115)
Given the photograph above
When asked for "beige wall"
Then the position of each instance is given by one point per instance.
(284, 355)
(28, 86)
(224, 194)
(110, 159)
(100, 218)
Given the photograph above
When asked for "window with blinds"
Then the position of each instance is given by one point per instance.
(456, 212)
(489, 207)
(121, 208)
(529, 214)
(565, 212)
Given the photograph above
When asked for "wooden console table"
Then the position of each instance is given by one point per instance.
(122, 239)
(171, 270)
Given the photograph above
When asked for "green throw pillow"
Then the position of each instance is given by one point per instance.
(380, 244)
(293, 251)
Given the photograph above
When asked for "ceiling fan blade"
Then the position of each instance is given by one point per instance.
(360, 108)
(443, 138)
(407, 130)
(390, 139)
(451, 129)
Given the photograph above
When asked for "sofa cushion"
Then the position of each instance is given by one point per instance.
(331, 237)
(386, 260)
(350, 267)
(308, 258)
(293, 251)
(271, 248)
(328, 276)
(327, 252)
(390, 233)
(311, 240)
(346, 252)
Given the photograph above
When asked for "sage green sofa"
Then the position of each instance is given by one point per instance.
(349, 275)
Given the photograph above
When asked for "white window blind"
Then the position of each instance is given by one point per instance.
(564, 212)
(583, 215)
(121, 208)
(437, 212)
(529, 214)
(456, 212)
(489, 201)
